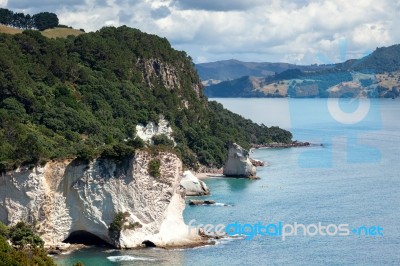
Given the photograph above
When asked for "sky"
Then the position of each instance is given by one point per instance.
(300, 32)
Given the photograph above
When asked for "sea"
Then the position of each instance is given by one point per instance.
(336, 202)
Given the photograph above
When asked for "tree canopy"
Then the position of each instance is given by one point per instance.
(40, 21)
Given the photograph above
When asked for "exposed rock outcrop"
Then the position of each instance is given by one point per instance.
(70, 196)
(238, 163)
(154, 70)
(151, 130)
(257, 163)
(193, 186)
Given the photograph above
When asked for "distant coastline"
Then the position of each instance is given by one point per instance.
(281, 145)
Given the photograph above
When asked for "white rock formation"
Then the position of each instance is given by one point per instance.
(151, 130)
(238, 163)
(193, 186)
(65, 197)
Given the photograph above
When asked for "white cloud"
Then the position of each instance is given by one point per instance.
(3, 3)
(253, 30)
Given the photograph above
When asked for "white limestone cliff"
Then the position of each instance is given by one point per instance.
(238, 163)
(70, 196)
(151, 130)
(193, 186)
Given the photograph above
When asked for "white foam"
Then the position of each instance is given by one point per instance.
(226, 240)
(128, 258)
(110, 250)
(221, 204)
(67, 252)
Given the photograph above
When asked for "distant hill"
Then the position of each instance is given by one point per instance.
(376, 75)
(233, 69)
(242, 87)
(384, 59)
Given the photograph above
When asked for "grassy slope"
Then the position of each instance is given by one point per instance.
(49, 33)
(61, 32)
(9, 30)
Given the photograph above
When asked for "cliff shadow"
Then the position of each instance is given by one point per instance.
(86, 238)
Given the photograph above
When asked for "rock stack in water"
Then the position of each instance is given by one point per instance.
(238, 163)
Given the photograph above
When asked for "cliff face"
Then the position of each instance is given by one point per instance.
(154, 70)
(66, 197)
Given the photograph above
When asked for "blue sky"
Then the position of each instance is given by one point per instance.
(252, 30)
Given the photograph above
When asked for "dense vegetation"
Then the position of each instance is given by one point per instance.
(40, 21)
(83, 97)
(26, 249)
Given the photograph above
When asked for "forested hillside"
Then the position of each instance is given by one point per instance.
(83, 97)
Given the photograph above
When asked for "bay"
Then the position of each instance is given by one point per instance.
(352, 178)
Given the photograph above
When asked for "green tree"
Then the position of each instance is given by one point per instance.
(45, 20)
(6, 16)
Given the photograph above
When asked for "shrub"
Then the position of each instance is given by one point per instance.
(133, 226)
(4, 230)
(154, 168)
(162, 140)
(116, 224)
(23, 235)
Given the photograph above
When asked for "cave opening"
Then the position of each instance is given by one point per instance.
(148, 244)
(86, 238)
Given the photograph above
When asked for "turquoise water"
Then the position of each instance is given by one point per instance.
(353, 178)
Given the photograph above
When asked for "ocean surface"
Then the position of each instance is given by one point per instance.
(350, 176)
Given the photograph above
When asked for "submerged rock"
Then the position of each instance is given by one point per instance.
(193, 186)
(73, 196)
(201, 202)
(238, 163)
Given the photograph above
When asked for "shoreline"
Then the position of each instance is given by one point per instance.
(293, 144)
(56, 251)
(208, 175)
